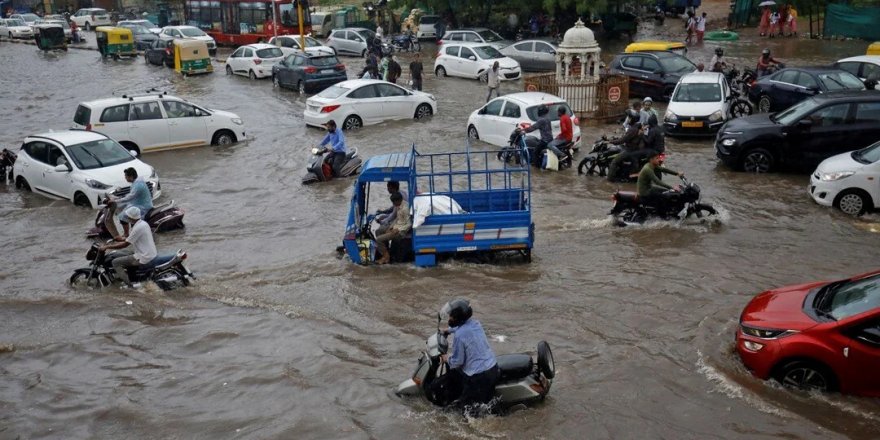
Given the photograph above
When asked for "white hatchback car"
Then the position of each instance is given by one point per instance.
(90, 18)
(699, 105)
(254, 60)
(155, 122)
(77, 165)
(864, 66)
(494, 122)
(850, 181)
(358, 102)
(145, 23)
(290, 44)
(188, 33)
(473, 60)
(15, 28)
(475, 35)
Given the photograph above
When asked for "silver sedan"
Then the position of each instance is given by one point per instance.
(533, 55)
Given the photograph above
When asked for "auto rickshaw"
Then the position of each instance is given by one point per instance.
(115, 42)
(874, 48)
(191, 57)
(50, 37)
(649, 45)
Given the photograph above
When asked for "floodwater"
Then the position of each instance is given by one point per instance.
(282, 339)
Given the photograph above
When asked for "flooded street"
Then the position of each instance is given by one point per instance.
(280, 338)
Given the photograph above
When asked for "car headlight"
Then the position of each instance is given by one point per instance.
(766, 333)
(715, 117)
(237, 121)
(752, 346)
(95, 184)
(670, 116)
(728, 142)
(828, 177)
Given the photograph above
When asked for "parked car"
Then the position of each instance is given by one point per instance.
(308, 72)
(145, 23)
(351, 41)
(652, 73)
(359, 102)
(15, 28)
(864, 67)
(143, 38)
(494, 122)
(788, 87)
(155, 122)
(473, 60)
(821, 336)
(68, 33)
(77, 165)
(28, 19)
(427, 27)
(656, 45)
(290, 44)
(803, 135)
(188, 33)
(850, 181)
(699, 105)
(322, 24)
(475, 35)
(160, 52)
(90, 18)
(533, 55)
(254, 60)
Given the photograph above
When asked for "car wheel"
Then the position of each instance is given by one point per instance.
(806, 375)
(276, 83)
(223, 138)
(252, 75)
(423, 111)
(472, 133)
(853, 202)
(364, 53)
(88, 26)
(440, 71)
(228, 70)
(80, 199)
(764, 104)
(22, 183)
(301, 87)
(10, 35)
(757, 160)
(352, 122)
(131, 147)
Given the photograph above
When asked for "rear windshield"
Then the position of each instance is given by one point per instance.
(83, 115)
(192, 32)
(325, 61)
(489, 36)
(272, 52)
(840, 81)
(429, 19)
(333, 92)
(698, 93)
(30, 17)
(553, 114)
(98, 154)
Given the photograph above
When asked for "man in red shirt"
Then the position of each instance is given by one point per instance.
(565, 134)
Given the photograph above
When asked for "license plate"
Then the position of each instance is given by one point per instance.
(313, 108)
(692, 124)
(327, 71)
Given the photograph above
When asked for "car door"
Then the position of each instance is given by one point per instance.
(450, 60)
(356, 42)
(232, 61)
(146, 125)
(35, 168)
(631, 66)
(185, 125)
(818, 136)
(113, 122)
(521, 52)
(468, 64)
(297, 72)
(366, 103)
(490, 123)
(545, 56)
(4, 29)
(284, 70)
(396, 102)
(862, 356)
(511, 115)
(58, 183)
(782, 88)
(653, 72)
(866, 126)
(245, 61)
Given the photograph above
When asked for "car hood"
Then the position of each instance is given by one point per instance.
(423, 94)
(780, 308)
(694, 108)
(19, 28)
(115, 176)
(507, 63)
(840, 162)
(750, 122)
(223, 114)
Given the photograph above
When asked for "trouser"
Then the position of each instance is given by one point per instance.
(554, 147)
(122, 263)
(417, 84)
(337, 161)
(492, 89)
(478, 389)
(622, 156)
(385, 237)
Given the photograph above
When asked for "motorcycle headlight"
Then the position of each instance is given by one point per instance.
(728, 142)
(670, 116)
(715, 117)
(766, 333)
(829, 177)
(95, 184)
(237, 121)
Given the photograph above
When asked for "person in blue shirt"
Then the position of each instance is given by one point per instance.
(471, 357)
(139, 196)
(337, 146)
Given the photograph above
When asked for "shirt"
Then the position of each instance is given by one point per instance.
(140, 237)
(648, 179)
(565, 127)
(470, 348)
(138, 196)
(701, 24)
(545, 128)
(644, 115)
(336, 141)
(493, 79)
(401, 221)
(415, 70)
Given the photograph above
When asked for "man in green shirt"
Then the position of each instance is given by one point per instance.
(651, 185)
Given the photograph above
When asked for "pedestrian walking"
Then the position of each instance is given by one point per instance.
(691, 28)
(701, 28)
(775, 25)
(493, 80)
(415, 71)
(791, 21)
(394, 70)
(765, 22)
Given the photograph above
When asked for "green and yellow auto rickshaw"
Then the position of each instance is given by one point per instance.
(50, 37)
(191, 57)
(115, 42)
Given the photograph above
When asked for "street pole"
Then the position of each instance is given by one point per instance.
(275, 18)
(302, 34)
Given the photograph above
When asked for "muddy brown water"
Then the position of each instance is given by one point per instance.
(281, 339)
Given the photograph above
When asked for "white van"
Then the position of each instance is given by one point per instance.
(426, 27)
(322, 24)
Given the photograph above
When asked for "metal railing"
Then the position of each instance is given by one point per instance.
(603, 99)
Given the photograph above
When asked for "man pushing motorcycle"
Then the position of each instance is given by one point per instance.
(651, 185)
(472, 359)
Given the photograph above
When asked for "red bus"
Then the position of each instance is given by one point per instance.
(237, 22)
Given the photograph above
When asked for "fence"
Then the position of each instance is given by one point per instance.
(589, 99)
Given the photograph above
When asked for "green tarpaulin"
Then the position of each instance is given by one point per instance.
(845, 21)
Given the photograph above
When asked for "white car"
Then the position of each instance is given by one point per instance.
(155, 122)
(475, 35)
(359, 102)
(15, 28)
(473, 60)
(28, 19)
(850, 181)
(351, 41)
(290, 44)
(494, 122)
(427, 27)
(145, 23)
(254, 60)
(864, 67)
(322, 23)
(77, 165)
(699, 105)
(90, 18)
(188, 33)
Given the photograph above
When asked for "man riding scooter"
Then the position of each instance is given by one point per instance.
(632, 142)
(545, 129)
(337, 146)
(651, 186)
(765, 63)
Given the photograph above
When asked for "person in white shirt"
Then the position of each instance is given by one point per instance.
(380, 32)
(701, 27)
(140, 238)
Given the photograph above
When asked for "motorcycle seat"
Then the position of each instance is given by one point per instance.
(159, 260)
(627, 196)
(514, 366)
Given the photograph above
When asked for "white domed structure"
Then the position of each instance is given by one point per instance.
(578, 37)
(578, 44)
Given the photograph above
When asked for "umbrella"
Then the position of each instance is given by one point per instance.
(767, 3)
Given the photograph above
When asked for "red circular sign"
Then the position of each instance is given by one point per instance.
(531, 88)
(614, 94)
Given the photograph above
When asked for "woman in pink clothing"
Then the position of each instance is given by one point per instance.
(765, 22)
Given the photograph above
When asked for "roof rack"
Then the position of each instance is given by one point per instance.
(149, 92)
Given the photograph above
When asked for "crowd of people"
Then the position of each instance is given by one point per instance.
(775, 23)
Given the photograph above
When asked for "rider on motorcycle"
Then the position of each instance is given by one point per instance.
(472, 358)
(546, 128)
(565, 134)
(651, 186)
(140, 239)
(337, 146)
(138, 196)
(765, 62)
(718, 64)
(654, 137)
(632, 115)
(632, 141)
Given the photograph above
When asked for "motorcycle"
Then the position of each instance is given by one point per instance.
(381, 48)
(629, 209)
(167, 271)
(162, 218)
(406, 42)
(522, 380)
(598, 162)
(519, 145)
(7, 160)
(320, 169)
(739, 91)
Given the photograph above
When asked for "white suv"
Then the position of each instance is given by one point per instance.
(155, 122)
(77, 165)
(89, 18)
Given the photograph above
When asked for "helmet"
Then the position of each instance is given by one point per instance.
(459, 310)
(719, 51)
(765, 52)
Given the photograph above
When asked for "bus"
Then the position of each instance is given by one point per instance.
(238, 22)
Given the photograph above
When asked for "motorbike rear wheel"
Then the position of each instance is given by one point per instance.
(170, 279)
(546, 364)
(740, 108)
(587, 166)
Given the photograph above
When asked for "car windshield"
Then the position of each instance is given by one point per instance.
(852, 298)
(270, 52)
(311, 42)
(867, 155)
(553, 114)
(367, 33)
(137, 29)
(30, 17)
(429, 19)
(333, 92)
(63, 23)
(794, 113)
(489, 36)
(840, 81)
(677, 64)
(14, 22)
(697, 93)
(192, 32)
(487, 52)
(324, 61)
(98, 154)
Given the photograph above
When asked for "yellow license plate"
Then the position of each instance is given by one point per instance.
(692, 124)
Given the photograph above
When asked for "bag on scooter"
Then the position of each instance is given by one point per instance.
(366, 249)
(445, 388)
(550, 161)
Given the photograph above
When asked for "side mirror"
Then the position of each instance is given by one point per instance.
(133, 153)
(472, 58)
(552, 52)
(63, 168)
(805, 124)
(813, 90)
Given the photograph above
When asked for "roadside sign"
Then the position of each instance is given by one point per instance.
(614, 94)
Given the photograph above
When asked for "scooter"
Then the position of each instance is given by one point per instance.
(406, 42)
(522, 380)
(167, 271)
(629, 209)
(7, 160)
(538, 155)
(162, 218)
(320, 169)
(598, 162)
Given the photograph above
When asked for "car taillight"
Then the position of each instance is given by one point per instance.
(340, 67)
(258, 61)
(329, 108)
(310, 69)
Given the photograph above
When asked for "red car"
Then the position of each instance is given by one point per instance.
(822, 335)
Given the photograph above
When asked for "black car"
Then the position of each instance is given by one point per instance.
(308, 72)
(653, 73)
(160, 52)
(143, 38)
(803, 135)
(788, 87)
